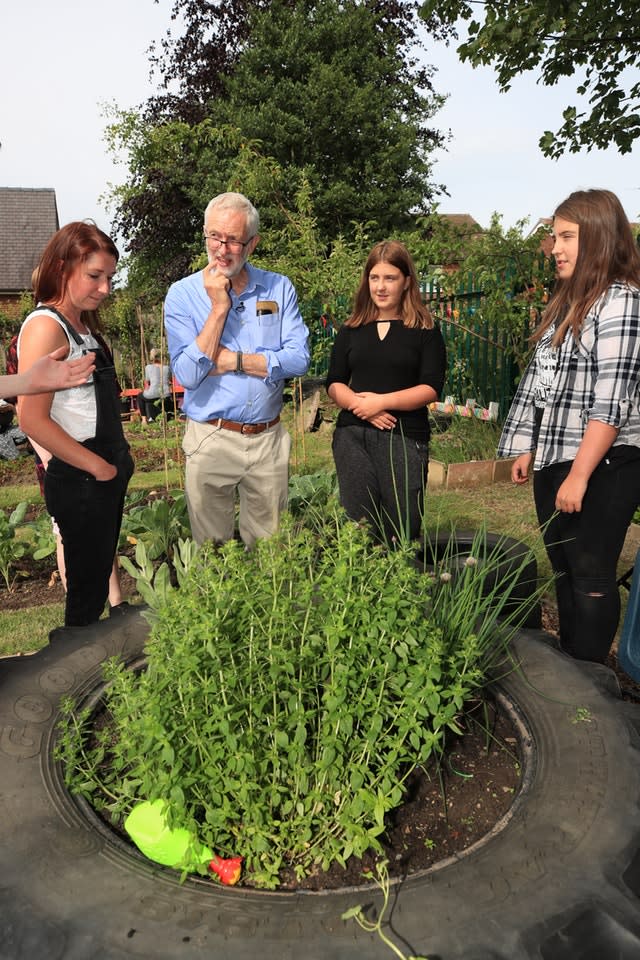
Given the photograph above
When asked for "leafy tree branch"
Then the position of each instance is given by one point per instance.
(596, 41)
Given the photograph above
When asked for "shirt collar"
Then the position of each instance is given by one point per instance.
(254, 279)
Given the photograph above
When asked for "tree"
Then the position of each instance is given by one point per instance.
(512, 271)
(597, 40)
(333, 89)
(192, 67)
(317, 92)
(159, 209)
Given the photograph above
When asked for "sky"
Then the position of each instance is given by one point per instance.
(493, 162)
(63, 62)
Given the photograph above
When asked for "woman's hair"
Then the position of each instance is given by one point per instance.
(414, 312)
(154, 355)
(239, 203)
(66, 250)
(607, 252)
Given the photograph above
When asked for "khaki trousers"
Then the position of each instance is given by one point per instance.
(221, 462)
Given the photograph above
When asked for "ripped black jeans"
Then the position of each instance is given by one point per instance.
(584, 548)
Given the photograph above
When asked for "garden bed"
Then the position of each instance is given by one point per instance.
(471, 473)
(508, 897)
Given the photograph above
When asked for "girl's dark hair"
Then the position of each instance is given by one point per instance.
(68, 247)
(414, 312)
(607, 252)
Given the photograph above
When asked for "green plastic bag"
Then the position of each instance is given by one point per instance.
(172, 847)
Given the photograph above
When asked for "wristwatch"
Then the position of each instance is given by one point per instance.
(239, 368)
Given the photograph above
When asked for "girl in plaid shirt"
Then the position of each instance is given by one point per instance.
(576, 416)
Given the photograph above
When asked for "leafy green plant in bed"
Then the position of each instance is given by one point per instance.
(464, 439)
(289, 692)
(158, 524)
(43, 539)
(12, 548)
(311, 491)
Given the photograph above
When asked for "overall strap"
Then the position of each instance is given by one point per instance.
(73, 333)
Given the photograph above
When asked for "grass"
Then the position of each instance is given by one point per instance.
(501, 508)
(11, 494)
(25, 631)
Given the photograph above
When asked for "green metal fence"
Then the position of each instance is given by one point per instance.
(480, 364)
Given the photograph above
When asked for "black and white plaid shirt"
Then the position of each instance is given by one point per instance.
(596, 378)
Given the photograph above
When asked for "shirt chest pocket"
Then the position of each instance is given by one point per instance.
(269, 331)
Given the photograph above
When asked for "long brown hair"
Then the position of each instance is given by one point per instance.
(67, 249)
(607, 252)
(414, 312)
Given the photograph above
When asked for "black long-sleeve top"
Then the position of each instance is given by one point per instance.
(406, 357)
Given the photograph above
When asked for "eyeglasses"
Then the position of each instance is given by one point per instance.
(235, 246)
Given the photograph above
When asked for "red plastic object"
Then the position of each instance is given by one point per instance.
(228, 870)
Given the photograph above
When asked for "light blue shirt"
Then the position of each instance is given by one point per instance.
(281, 336)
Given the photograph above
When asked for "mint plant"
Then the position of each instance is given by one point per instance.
(289, 692)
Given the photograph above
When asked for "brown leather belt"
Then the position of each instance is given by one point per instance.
(248, 429)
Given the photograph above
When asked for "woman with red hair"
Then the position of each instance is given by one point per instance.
(90, 466)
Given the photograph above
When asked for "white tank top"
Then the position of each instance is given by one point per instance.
(74, 409)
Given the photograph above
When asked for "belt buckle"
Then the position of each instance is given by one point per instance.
(247, 429)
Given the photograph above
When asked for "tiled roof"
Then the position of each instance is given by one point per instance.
(543, 223)
(28, 218)
(461, 220)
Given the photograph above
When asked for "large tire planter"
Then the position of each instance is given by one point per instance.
(560, 881)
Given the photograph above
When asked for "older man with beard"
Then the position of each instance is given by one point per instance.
(235, 334)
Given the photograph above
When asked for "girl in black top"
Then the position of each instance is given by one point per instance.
(387, 364)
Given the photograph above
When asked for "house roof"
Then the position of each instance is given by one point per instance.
(461, 220)
(543, 223)
(28, 218)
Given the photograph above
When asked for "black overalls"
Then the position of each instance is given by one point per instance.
(87, 511)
